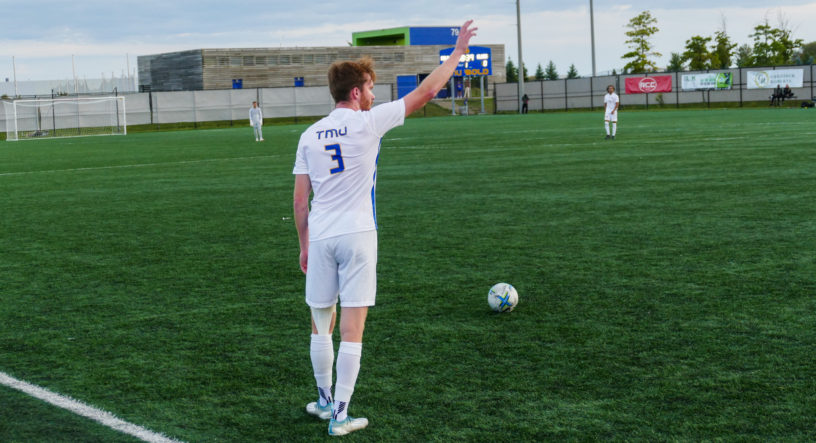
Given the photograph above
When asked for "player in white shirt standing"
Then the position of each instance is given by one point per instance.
(337, 160)
(256, 121)
(611, 103)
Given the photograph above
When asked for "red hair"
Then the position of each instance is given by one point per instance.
(347, 75)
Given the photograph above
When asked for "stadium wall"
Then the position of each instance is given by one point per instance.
(588, 92)
(207, 69)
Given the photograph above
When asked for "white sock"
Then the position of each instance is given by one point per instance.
(348, 366)
(606, 126)
(614, 129)
(321, 350)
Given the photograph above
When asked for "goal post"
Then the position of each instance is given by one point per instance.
(29, 119)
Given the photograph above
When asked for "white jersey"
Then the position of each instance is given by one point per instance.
(610, 100)
(255, 116)
(339, 153)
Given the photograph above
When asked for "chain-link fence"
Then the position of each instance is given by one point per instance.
(588, 93)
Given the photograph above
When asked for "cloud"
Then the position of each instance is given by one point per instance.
(100, 32)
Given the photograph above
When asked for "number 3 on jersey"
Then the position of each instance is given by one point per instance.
(338, 157)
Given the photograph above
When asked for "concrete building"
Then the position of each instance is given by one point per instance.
(397, 53)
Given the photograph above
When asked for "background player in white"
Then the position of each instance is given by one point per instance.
(256, 121)
(611, 103)
(337, 159)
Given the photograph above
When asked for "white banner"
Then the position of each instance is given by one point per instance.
(770, 79)
(711, 80)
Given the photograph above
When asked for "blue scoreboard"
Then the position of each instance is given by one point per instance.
(476, 61)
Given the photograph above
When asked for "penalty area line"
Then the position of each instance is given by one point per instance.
(103, 417)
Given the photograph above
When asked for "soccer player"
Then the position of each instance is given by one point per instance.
(337, 160)
(256, 121)
(611, 103)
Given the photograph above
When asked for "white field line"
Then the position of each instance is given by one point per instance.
(138, 165)
(79, 408)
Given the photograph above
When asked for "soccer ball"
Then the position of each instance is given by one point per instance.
(502, 297)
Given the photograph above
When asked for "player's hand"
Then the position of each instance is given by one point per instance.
(465, 34)
(304, 260)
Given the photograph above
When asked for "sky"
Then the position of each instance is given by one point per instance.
(105, 37)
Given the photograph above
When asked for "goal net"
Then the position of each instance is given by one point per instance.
(64, 117)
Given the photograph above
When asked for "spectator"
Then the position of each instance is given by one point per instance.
(524, 100)
(776, 98)
(787, 93)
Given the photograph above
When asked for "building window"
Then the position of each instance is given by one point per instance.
(308, 59)
(297, 59)
(272, 60)
(283, 60)
(223, 61)
(249, 60)
(321, 58)
(260, 61)
(399, 57)
(235, 61)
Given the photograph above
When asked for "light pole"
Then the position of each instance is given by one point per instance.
(592, 32)
(14, 68)
(520, 61)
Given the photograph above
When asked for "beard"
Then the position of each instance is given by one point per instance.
(365, 104)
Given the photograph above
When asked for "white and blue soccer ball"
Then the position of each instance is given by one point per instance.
(502, 297)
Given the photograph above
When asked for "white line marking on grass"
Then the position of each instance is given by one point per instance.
(138, 165)
(79, 408)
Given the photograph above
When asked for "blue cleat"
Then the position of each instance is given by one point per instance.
(321, 412)
(347, 425)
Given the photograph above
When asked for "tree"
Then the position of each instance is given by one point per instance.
(803, 59)
(511, 72)
(676, 63)
(551, 73)
(763, 42)
(539, 75)
(573, 72)
(745, 56)
(786, 47)
(723, 50)
(696, 53)
(641, 29)
(806, 54)
(774, 46)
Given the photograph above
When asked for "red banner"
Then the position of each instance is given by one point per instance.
(646, 85)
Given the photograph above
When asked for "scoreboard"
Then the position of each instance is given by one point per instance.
(475, 62)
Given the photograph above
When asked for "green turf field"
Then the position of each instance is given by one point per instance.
(666, 282)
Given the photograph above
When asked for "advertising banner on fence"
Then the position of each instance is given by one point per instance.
(646, 85)
(781, 77)
(723, 80)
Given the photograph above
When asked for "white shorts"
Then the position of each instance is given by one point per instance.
(344, 266)
(610, 117)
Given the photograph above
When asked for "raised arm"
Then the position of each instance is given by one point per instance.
(439, 76)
